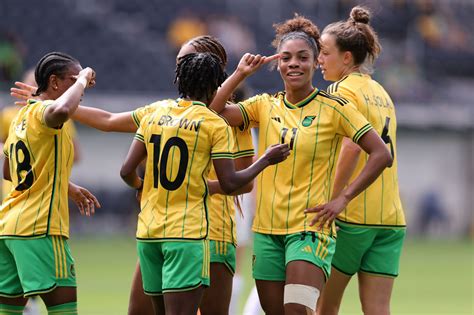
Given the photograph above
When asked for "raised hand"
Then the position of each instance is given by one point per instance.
(24, 92)
(251, 63)
(87, 74)
(84, 200)
(277, 153)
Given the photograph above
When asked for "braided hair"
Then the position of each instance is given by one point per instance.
(198, 76)
(207, 43)
(56, 63)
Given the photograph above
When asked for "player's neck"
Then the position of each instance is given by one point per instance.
(295, 96)
(350, 70)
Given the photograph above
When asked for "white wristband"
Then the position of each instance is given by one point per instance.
(82, 81)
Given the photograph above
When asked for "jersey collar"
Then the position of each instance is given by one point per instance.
(184, 103)
(302, 103)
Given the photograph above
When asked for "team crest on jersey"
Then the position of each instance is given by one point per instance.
(308, 120)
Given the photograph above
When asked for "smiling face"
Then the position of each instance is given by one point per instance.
(297, 64)
(333, 62)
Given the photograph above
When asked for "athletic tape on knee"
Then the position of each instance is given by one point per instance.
(301, 294)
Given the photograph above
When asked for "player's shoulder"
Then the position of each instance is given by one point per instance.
(263, 97)
(212, 116)
(351, 82)
(331, 99)
(162, 103)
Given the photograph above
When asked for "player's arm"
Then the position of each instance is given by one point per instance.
(135, 156)
(89, 116)
(240, 164)
(64, 106)
(104, 120)
(231, 180)
(346, 164)
(83, 198)
(6, 169)
(247, 66)
(379, 158)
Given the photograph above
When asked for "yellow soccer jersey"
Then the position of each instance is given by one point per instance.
(313, 128)
(380, 203)
(181, 138)
(40, 161)
(6, 117)
(221, 207)
(141, 112)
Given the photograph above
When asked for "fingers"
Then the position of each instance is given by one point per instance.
(91, 201)
(26, 87)
(20, 94)
(314, 209)
(87, 73)
(320, 212)
(271, 58)
(326, 218)
(80, 207)
(20, 103)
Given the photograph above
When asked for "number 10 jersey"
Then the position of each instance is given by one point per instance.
(181, 139)
(40, 160)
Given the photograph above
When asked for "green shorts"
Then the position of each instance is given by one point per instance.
(224, 253)
(371, 250)
(173, 266)
(273, 252)
(35, 266)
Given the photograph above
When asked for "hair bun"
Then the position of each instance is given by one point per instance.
(360, 15)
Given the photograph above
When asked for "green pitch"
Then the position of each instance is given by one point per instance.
(436, 277)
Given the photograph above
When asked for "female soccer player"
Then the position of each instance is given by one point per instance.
(34, 218)
(222, 233)
(179, 140)
(291, 257)
(374, 220)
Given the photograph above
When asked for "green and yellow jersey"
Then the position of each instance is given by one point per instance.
(221, 207)
(40, 161)
(313, 128)
(139, 113)
(6, 117)
(181, 139)
(380, 203)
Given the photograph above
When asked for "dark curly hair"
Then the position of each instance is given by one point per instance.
(298, 27)
(198, 76)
